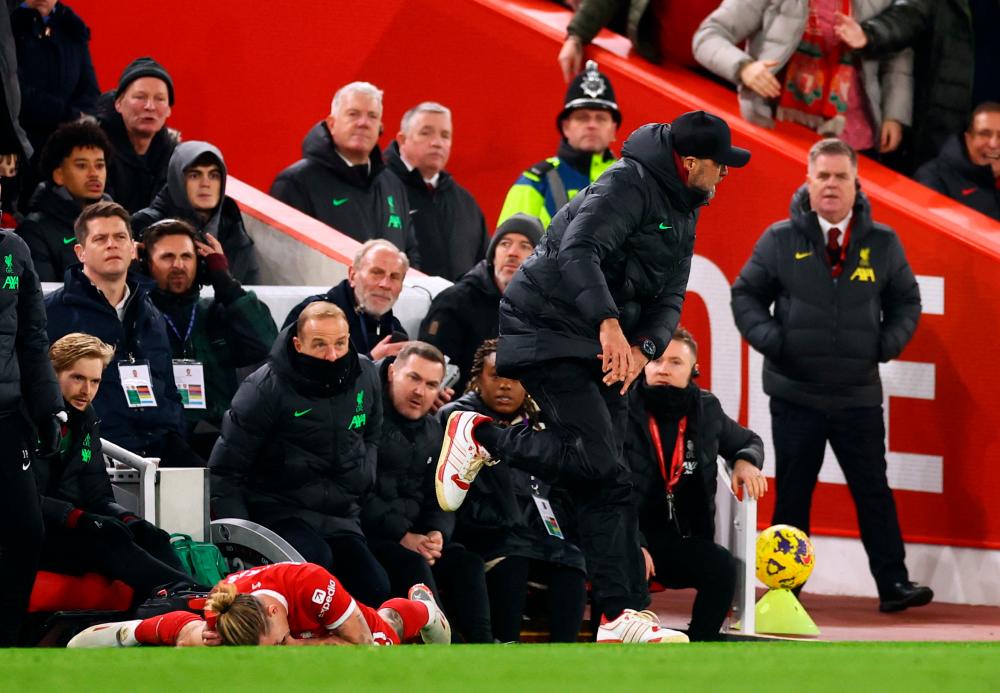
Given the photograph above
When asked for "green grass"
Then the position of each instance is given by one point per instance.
(778, 666)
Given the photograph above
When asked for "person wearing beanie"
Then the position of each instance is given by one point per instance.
(588, 123)
(135, 116)
(464, 316)
(196, 192)
(597, 300)
(450, 226)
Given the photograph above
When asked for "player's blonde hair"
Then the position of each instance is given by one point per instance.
(70, 348)
(240, 617)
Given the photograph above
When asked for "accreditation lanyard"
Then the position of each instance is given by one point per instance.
(187, 333)
(364, 331)
(676, 461)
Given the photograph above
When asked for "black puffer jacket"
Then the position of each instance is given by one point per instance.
(826, 338)
(620, 249)
(77, 477)
(716, 434)
(48, 231)
(499, 517)
(450, 227)
(225, 222)
(26, 376)
(362, 204)
(941, 33)
(301, 440)
(134, 180)
(952, 174)
(404, 499)
(462, 317)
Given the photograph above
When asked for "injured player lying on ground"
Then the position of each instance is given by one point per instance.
(280, 604)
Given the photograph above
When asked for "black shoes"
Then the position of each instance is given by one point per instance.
(903, 595)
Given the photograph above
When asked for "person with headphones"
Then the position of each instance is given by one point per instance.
(341, 179)
(210, 338)
(675, 432)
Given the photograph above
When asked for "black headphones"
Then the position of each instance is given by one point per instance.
(695, 372)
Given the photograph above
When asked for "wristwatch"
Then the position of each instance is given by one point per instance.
(648, 347)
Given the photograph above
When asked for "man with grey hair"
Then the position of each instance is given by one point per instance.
(374, 282)
(341, 179)
(450, 228)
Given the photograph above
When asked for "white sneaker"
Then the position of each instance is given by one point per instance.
(460, 460)
(637, 626)
(438, 630)
(117, 634)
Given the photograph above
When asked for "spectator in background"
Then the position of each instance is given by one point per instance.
(866, 104)
(196, 192)
(136, 123)
(676, 432)
(450, 228)
(14, 145)
(139, 406)
(30, 413)
(968, 167)
(465, 315)
(503, 522)
(588, 124)
(74, 166)
(56, 74)
(374, 282)
(845, 299)
(410, 535)
(956, 61)
(299, 447)
(230, 331)
(341, 178)
(85, 529)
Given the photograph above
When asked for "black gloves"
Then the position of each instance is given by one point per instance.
(109, 528)
(50, 434)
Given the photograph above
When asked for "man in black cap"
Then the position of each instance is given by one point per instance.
(136, 126)
(597, 300)
(464, 316)
(588, 124)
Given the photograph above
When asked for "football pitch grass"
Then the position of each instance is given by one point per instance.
(744, 666)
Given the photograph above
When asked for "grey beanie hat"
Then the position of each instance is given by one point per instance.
(521, 223)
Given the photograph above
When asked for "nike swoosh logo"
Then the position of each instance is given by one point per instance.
(303, 412)
(67, 241)
(337, 203)
(26, 465)
(664, 227)
(464, 485)
(802, 256)
(968, 191)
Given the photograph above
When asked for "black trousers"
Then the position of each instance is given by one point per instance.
(346, 556)
(704, 565)
(142, 566)
(507, 582)
(581, 450)
(23, 530)
(857, 437)
(457, 579)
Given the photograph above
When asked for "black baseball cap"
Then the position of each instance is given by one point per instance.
(705, 136)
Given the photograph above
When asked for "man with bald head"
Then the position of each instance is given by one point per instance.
(298, 448)
(341, 179)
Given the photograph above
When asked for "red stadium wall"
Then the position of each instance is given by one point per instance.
(253, 78)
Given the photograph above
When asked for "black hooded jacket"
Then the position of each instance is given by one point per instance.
(134, 180)
(826, 337)
(300, 441)
(620, 249)
(462, 317)
(225, 223)
(954, 175)
(48, 231)
(362, 202)
(712, 434)
(404, 499)
(450, 227)
(499, 517)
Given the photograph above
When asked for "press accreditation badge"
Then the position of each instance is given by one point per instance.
(190, 379)
(137, 384)
(548, 516)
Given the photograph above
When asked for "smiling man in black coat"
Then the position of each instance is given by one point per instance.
(599, 298)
